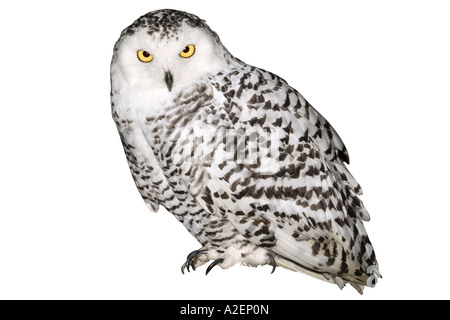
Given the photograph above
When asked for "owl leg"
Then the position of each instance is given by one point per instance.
(192, 259)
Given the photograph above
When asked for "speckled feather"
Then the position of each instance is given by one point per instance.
(243, 161)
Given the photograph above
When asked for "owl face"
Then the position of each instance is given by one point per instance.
(149, 60)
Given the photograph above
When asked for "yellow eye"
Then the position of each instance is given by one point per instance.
(188, 51)
(144, 56)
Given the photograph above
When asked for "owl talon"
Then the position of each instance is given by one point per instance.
(190, 260)
(213, 264)
(272, 262)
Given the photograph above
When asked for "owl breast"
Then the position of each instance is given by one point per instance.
(163, 144)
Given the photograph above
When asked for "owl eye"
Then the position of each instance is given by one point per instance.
(144, 56)
(188, 51)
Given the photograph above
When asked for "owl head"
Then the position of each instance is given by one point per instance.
(165, 50)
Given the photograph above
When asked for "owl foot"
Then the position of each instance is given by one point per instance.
(227, 259)
(232, 256)
(192, 259)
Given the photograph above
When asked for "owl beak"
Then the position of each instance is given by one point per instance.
(168, 79)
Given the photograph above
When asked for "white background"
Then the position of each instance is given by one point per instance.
(72, 224)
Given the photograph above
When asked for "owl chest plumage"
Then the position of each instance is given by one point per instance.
(160, 144)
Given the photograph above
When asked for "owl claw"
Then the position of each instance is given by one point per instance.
(272, 262)
(213, 264)
(190, 260)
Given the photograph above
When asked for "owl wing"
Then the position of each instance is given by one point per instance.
(290, 191)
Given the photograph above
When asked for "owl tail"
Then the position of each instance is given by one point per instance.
(369, 278)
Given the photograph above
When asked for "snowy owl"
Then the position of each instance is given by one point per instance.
(239, 157)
